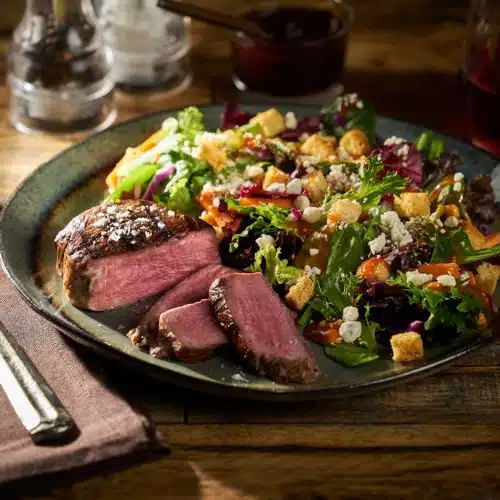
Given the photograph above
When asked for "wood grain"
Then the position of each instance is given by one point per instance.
(434, 438)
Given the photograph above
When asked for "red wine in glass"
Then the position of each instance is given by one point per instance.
(483, 94)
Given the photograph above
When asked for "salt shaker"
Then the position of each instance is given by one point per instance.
(150, 46)
(59, 70)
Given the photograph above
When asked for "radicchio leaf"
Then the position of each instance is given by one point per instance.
(234, 115)
(408, 166)
(305, 125)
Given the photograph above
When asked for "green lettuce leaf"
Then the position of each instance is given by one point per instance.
(458, 245)
(452, 308)
(274, 215)
(350, 354)
(276, 270)
(182, 188)
(369, 194)
(138, 176)
(335, 290)
(267, 219)
(190, 122)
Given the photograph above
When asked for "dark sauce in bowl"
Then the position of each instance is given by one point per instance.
(304, 54)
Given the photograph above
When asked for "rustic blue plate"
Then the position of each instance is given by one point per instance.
(74, 180)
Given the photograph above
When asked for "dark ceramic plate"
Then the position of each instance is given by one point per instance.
(74, 180)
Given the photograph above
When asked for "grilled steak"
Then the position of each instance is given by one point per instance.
(190, 333)
(118, 253)
(261, 328)
(192, 289)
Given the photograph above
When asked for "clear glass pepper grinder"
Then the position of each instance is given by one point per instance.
(59, 70)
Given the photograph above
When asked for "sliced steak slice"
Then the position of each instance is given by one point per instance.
(118, 253)
(191, 289)
(189, 333)
(261, 328)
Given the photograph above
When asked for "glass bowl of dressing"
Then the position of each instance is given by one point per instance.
(304, 53)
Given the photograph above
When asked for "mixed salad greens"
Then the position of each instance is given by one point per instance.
(373, 243)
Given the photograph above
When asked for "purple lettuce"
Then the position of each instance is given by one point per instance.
(234, 115)
(404, 159)
(305, 125)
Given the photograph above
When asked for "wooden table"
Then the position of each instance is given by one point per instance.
(436, 438)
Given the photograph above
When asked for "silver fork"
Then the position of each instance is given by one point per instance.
(35, 403)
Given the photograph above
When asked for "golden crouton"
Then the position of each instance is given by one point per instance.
(344, 211)
(412, 204)
(355, 143)
(487, 277)
(274, 175)
(300, 293)
(407, 346)
(316, 184)
(214, 154)
(320, 146)
(271, 122)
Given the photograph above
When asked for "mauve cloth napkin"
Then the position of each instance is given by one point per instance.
(108, 426)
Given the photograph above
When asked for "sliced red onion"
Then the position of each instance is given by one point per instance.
(161, 176)
(416, 326)
(296, 213)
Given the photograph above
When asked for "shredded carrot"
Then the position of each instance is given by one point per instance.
(436, 270)
(279, 202)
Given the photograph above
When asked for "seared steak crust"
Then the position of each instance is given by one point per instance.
(114, 229)
(280, 366)
(119, 227)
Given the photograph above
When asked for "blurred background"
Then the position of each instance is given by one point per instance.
(404, 57)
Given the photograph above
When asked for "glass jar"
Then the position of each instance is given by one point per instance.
(59, 70)
(305, 54)
(150, 46)
(481, 71)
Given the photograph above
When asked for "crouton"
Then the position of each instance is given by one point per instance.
(344, 211)
(487, 277)
(274, 176)
(412, 205)
(355, 143)
(407, 346)
(271, 122)
(320, 146)
(214, 154)
(316, 184)
(300, 293)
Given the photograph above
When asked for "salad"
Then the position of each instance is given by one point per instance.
(372, 243)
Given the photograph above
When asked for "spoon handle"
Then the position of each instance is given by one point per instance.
(35, 403)
(213, 17)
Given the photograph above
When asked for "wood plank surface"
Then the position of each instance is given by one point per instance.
(438, 437)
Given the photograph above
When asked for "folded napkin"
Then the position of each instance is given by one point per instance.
(108, 426)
